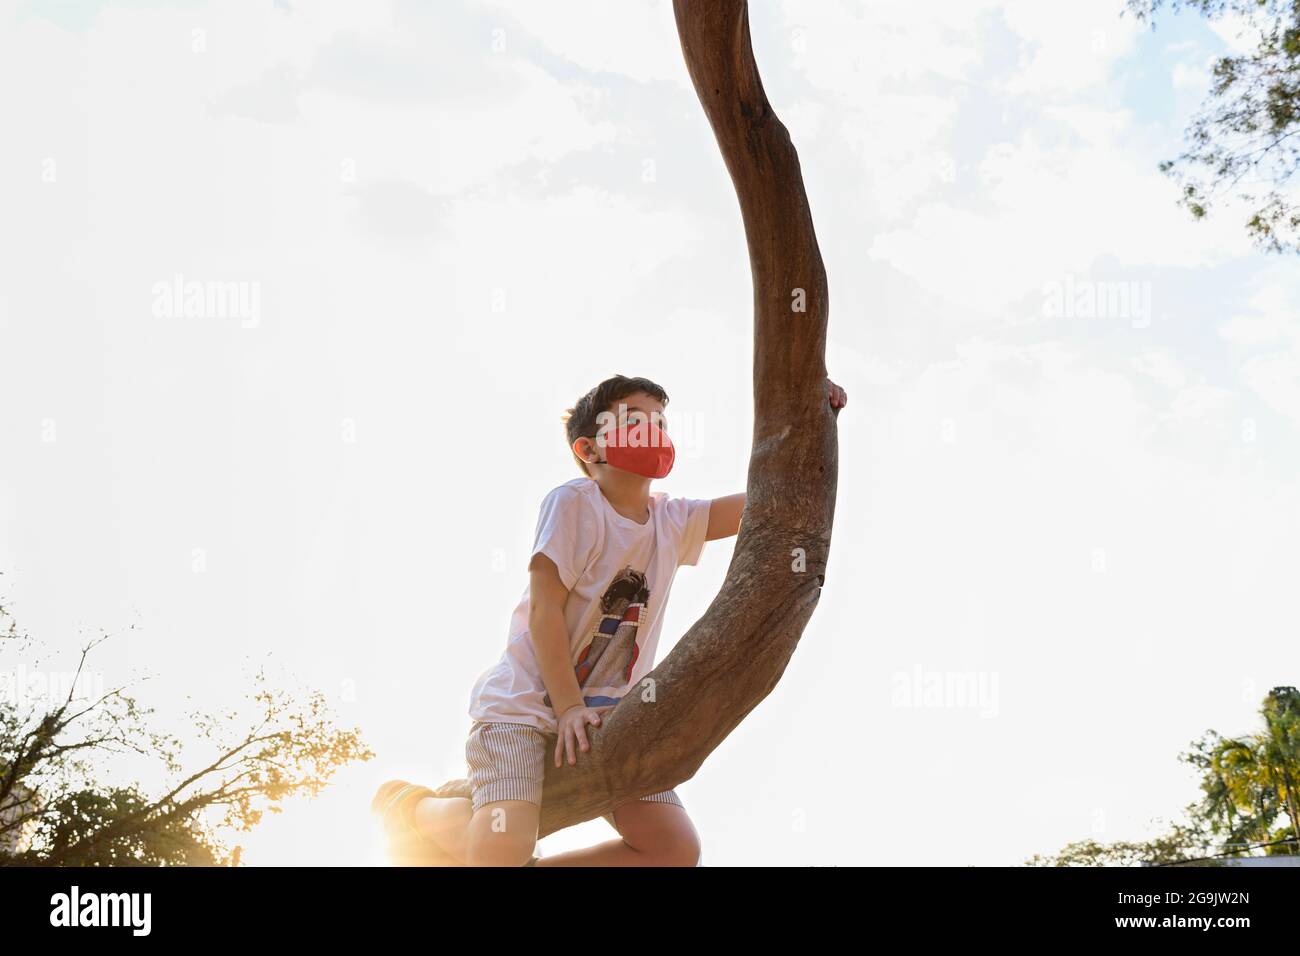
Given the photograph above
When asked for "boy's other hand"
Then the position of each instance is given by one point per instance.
(839, 398)
(572, 729)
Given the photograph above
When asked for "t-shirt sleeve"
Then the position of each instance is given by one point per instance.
(690, 521)
(566, 533)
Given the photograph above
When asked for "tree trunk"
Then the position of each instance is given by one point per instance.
(663, 729)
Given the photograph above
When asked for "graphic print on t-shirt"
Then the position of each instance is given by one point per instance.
(605, 665)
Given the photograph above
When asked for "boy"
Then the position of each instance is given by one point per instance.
(583, 634)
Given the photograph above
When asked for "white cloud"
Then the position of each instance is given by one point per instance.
(1276, 378)
(1267, 333)
(1161, 366)
(1272, 318)
(1192, 77)
(633, 38)
(1046, 211)
(1240, 34)
(850, 48)
(1071, 47)
(1201, 401)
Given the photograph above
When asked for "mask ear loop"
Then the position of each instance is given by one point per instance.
(593, 441)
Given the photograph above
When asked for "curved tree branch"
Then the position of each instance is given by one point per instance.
(662, 731)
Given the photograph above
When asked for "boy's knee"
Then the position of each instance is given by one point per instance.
(499, 849)
(502, 834)
(682, 850)
(687, 852)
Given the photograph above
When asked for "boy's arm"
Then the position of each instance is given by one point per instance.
(724, 516)
(550, 636)
(724, 513)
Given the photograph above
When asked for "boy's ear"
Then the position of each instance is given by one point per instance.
(585, 449)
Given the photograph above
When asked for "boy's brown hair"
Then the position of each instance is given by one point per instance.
(582, 420)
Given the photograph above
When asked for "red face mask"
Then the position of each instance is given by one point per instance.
(642, 448)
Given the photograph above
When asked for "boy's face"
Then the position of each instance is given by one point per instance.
(627, 412)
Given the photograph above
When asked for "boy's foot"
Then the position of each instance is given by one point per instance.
(395, 802)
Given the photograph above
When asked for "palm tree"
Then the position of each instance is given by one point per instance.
(1249, 781)
(1280, 752)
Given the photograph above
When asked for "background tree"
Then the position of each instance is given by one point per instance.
(1250, 783)
(57, 810)
(1244, 140)
(1247, 784)
(1184, 841)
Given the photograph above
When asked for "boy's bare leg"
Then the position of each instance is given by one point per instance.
(650, 834)
(445, 821)
(502, 833)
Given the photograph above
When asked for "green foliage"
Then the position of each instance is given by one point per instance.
(1248, 785)
(79, 830)
(1252, 783)
(55, 808)
(1246, 139)
(1182, 842)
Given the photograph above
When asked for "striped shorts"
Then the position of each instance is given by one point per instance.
(508, 762)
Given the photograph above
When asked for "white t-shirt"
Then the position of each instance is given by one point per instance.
(618, 573)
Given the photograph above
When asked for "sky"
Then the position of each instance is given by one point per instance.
(1068, 527)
